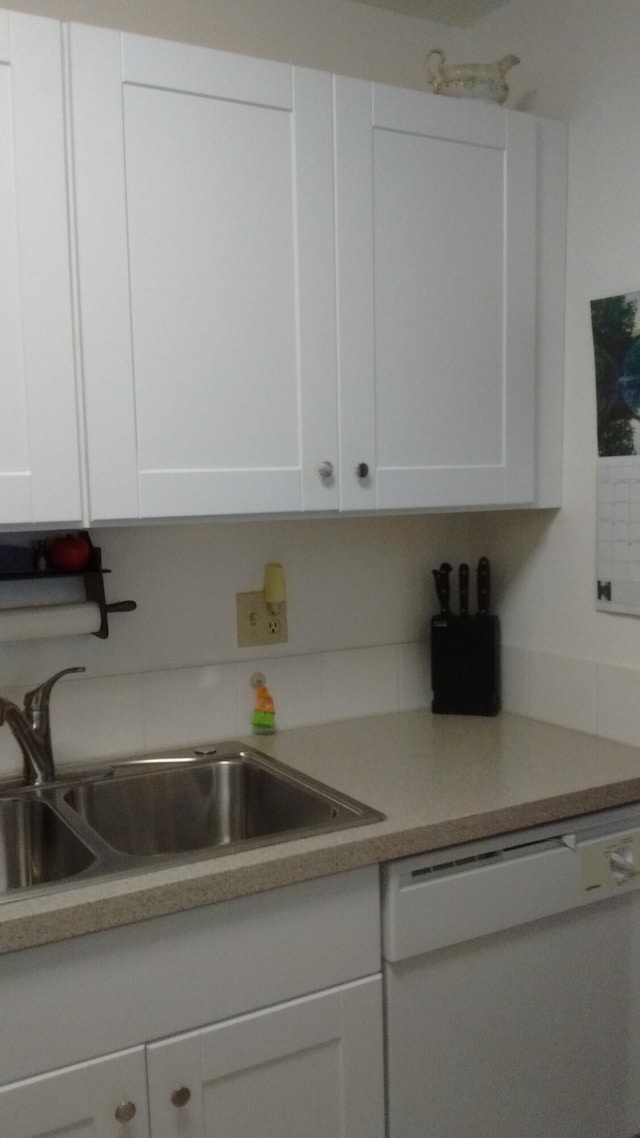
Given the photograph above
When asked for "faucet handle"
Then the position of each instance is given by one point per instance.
(40, 694)
(36, 702)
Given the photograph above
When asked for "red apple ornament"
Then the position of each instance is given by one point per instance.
(69, 554)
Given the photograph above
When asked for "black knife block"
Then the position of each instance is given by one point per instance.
(465, 664)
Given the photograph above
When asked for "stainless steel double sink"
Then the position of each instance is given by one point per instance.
(154, 810)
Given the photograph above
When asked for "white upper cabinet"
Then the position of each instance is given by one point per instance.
(305, 293)
(205, 228)
(436, 240)
(39, 449)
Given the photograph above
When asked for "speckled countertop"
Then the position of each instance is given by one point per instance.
(439, 780)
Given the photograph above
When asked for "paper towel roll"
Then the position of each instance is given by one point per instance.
(39, 622)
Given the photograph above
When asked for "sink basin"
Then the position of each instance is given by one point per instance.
(36, 847)
(150, 810)
(223, 802)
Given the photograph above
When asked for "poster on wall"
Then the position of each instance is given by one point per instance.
(615, 323)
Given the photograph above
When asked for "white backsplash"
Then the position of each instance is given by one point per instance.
(107, 716)
(360, 595)
(597, 697)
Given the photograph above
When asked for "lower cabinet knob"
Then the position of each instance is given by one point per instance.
(125, 1111)
(181, 1096)
(362, 470)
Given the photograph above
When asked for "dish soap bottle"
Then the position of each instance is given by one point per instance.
(263, 719)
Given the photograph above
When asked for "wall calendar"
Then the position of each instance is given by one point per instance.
(615, 324)
(618, 537)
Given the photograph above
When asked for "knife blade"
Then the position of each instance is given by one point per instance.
(441, 578)
(483, 580)
(463, 588)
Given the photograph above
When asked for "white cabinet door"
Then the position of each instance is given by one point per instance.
(104, 1098)
(436, 231)
(39, 454)
(311, 1068)
(205, 227)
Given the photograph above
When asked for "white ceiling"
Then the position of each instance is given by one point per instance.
(460, 12)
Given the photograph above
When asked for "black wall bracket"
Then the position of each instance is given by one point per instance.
(94, 589)
(93, 578)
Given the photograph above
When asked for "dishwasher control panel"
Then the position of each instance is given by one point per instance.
(611, 864)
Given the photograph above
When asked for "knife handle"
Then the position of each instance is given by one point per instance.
(483, 577)
(463, 589)
(445, 570)
(441, 578)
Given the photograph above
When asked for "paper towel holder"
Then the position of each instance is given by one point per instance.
(94, 589)
(93, 579)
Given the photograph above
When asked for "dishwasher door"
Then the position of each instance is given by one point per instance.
(512, 996)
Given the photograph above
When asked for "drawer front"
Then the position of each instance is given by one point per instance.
(175, 973)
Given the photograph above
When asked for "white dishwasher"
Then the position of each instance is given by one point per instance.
(512, 984)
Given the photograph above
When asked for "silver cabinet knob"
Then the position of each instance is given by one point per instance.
(125, 1111)
(362, 470)
(325, 470)
(181, 1096)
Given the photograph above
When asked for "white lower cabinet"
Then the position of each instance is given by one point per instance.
(258, 1017)
(88, 1100)
(311, 1068)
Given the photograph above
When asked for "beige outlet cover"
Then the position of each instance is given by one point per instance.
(256, 625)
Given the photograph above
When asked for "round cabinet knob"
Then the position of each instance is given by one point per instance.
(181, 1096)
(362, 470)
(325, 471)
(621, 862)
(125, 1111)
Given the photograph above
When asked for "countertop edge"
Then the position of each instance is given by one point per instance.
(83, 909)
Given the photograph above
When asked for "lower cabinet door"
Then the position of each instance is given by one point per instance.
(311, 1068)
(104, 1098)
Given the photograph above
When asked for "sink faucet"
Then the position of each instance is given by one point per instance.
(32, 730)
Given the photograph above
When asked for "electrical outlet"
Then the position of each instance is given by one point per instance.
(256, 625)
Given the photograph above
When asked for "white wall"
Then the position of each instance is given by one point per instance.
(334, 35)
(359, 594)
(580, 62)
(350, 583)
